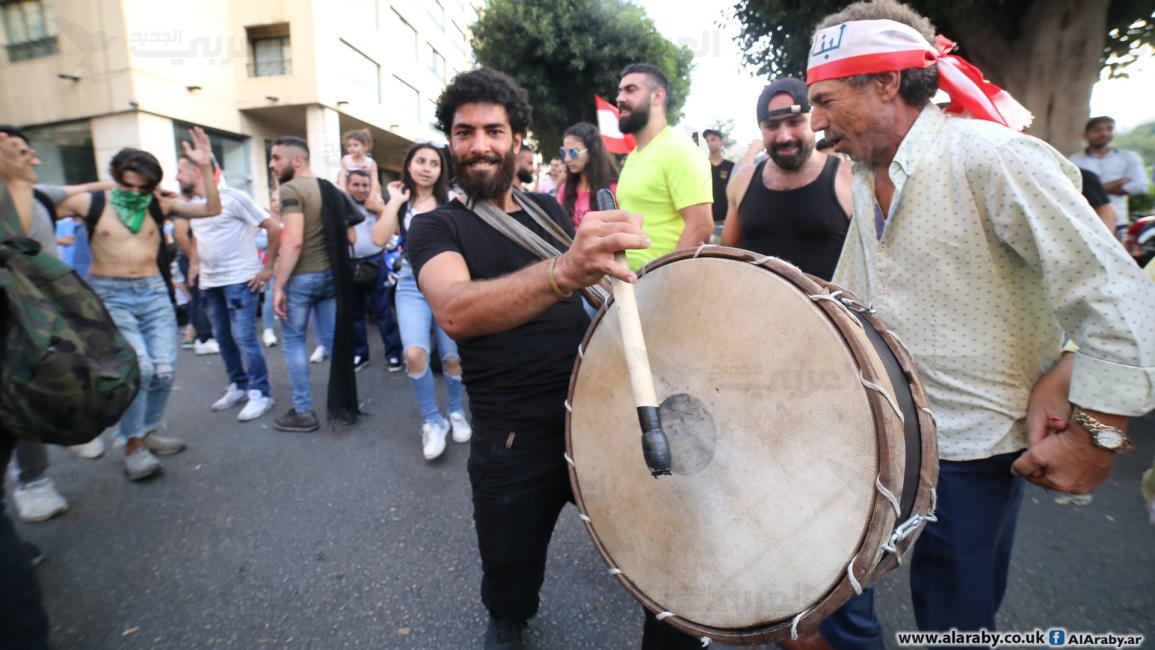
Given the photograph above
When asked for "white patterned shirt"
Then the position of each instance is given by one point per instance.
(988, 254)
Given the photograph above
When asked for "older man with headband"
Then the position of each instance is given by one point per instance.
(973, 243)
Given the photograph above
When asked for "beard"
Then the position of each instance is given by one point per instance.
(286, 175)
(525, 176)
(791, 161)
(482, 186)
(187, 189)
(636, 120)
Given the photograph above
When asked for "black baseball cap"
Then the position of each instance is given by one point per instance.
(796, 88)
(709, 132)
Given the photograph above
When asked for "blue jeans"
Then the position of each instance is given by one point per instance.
(233, 309)
(415, 318)
(380, 303)
(959, 565)
(306, 293)
(197, 314)
(268, 318)
(142, 312)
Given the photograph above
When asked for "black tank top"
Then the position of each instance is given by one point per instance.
(804, 226)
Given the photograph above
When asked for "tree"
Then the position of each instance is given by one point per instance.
(1046, 53)
(565, 52)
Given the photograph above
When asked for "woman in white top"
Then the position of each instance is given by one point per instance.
(423, 187)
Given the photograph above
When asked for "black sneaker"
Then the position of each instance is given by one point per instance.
(294, 421)
(395, 364)
(359, 363)
(504, 635)
(35, 555)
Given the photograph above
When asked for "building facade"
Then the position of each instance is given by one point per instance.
(85, 78)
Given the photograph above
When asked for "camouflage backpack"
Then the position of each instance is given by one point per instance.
(66, 372)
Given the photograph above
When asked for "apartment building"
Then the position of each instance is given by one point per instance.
(85, 78)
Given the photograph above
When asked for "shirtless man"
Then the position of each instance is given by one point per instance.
(796, 204)
(126, 275)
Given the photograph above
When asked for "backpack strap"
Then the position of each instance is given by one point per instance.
(163, 262)
(48, 204)
(95, 209)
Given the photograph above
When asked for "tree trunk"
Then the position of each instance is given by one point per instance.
(1051, 67)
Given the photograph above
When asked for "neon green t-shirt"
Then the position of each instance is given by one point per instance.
(669, 175)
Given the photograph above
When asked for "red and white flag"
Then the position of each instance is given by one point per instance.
(612, 136)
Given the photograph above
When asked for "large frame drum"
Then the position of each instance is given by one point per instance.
(816, 474)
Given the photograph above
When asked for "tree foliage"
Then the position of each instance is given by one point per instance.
(775, 34)
(565, 51)
(1141, 140)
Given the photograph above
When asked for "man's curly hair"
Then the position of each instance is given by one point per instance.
(484, 85)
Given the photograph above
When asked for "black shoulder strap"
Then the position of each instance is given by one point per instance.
(157, 214)
(95, 209)
(48, 204)
(163, 263)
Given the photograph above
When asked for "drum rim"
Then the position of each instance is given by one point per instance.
(876, 532)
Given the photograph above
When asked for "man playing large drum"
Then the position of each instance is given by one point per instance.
(518, 323)
(974, 245)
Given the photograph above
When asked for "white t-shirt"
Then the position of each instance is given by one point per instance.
(227, 243)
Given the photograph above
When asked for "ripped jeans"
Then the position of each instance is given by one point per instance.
(415, 318)
(141, 309)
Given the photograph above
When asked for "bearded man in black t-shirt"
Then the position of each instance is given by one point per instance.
(518, 323)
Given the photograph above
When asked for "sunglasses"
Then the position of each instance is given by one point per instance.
(573, 153)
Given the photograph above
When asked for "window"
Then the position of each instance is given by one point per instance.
(405, 39)
(436, 12)
(270, 50)
(31, 30)
(408, 101)
(65, 152)
(363, 73)
(231, 152)
(437, 64)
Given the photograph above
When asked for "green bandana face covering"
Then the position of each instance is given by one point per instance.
(131, 208)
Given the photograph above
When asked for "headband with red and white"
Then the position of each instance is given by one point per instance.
(873, 46)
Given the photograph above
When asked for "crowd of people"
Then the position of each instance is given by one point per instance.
(976, 227)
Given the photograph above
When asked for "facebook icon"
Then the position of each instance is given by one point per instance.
(1056, 636)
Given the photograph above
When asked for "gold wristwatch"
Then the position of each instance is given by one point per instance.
(1105, 437)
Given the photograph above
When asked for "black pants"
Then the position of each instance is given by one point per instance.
(23, 622)
(518, 493)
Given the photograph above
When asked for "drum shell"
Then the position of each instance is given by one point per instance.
(870, 562)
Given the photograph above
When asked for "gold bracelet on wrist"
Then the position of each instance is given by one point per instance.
(553, 281)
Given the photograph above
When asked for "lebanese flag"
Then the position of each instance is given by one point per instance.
(612, 136)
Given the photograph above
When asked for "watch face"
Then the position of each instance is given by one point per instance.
(1109, 439)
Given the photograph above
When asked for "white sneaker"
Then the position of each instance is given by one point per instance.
(88, 451)
(270, 338)
(233, 396)
(433, 439)
(318, 355)
(258, 405)
(38, 501)
(141, 464)
(207, 347)
(462, 431)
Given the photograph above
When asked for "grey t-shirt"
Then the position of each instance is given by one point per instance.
(43, 226)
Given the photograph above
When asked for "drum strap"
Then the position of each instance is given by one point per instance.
(516, 232)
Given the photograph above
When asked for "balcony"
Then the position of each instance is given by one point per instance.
(27, 50)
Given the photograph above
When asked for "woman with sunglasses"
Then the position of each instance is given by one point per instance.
(424, 186)
(589, 168)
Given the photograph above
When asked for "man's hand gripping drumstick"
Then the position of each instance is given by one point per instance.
(655, 446)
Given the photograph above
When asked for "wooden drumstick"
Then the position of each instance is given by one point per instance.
(655, 447)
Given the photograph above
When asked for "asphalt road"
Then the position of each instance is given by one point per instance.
(254, 538)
